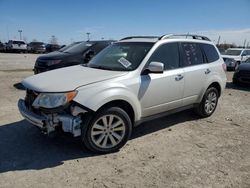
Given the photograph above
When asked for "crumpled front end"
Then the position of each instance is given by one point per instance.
(67, 118)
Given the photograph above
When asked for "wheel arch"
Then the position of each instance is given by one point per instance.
(126, 106)
(217, 86)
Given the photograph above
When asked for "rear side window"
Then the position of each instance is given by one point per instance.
(210, 52)
(192, 54)
(168, 54)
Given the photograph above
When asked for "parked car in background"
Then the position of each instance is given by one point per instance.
(132, 81)
(2, 47)
(36, 47)
(52, 47)
(16, 46)
(74, 54)
(234, 56)
(242, 73)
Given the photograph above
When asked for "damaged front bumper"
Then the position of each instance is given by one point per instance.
(33, 118)
(48, 122)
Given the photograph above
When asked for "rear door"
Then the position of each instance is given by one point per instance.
(195, 71)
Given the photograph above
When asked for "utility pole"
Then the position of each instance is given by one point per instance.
(88, 33)
(218, 42)
(20, 34)
(248, 45)
(244, 43)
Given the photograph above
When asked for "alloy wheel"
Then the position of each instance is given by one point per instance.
(108, 131)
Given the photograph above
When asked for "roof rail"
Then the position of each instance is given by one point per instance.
(131, 37)
(198, 37)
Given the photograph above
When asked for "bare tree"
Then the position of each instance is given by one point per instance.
(34, 40)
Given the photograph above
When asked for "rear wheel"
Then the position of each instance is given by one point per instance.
(108, 131)
(209, 103)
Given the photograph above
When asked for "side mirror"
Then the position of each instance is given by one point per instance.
(88, 56)
(155, 67)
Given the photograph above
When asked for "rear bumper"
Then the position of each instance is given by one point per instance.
(33, 118)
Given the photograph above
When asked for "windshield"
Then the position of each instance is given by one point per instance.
(78, 48)
(233, 52)
(121, 56)
(18, 42)
(68, 46)
(37, 43)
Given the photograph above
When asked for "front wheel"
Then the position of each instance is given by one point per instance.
(108, 131)
(209, 103)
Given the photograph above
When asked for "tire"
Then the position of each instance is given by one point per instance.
(209, 103)
(100, 137)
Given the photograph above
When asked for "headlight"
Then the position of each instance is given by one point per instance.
(53, 62)
(53, 100)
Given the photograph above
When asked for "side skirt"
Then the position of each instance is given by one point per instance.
(156, 116)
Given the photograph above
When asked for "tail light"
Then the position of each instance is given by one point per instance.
(224, 66)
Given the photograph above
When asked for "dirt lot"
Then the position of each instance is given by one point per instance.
(175, 151)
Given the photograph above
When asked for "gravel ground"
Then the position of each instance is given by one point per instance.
(179, 150)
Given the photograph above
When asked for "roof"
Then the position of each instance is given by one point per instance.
(154, 39)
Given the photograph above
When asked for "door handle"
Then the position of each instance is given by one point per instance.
(207, 71)
(179, 77)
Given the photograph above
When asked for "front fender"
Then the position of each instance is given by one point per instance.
(95, 97)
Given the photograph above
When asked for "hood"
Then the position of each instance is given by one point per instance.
(68, 79)
(53, 56)
(244, 66)
(231, 57)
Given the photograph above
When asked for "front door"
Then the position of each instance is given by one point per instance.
(160, 92)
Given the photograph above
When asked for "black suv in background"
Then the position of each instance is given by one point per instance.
(74, 54)
(36, 47)
(52, 47)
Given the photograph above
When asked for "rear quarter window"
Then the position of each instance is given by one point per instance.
(210, 52)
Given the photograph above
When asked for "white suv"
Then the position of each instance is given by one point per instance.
(131, 81)
(16, 46)
(235, 56)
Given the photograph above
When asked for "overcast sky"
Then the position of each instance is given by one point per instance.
(70, 20)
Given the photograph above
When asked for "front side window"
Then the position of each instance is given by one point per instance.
(192, 54)
(210, 52)
(168, 54)
(124, 56)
